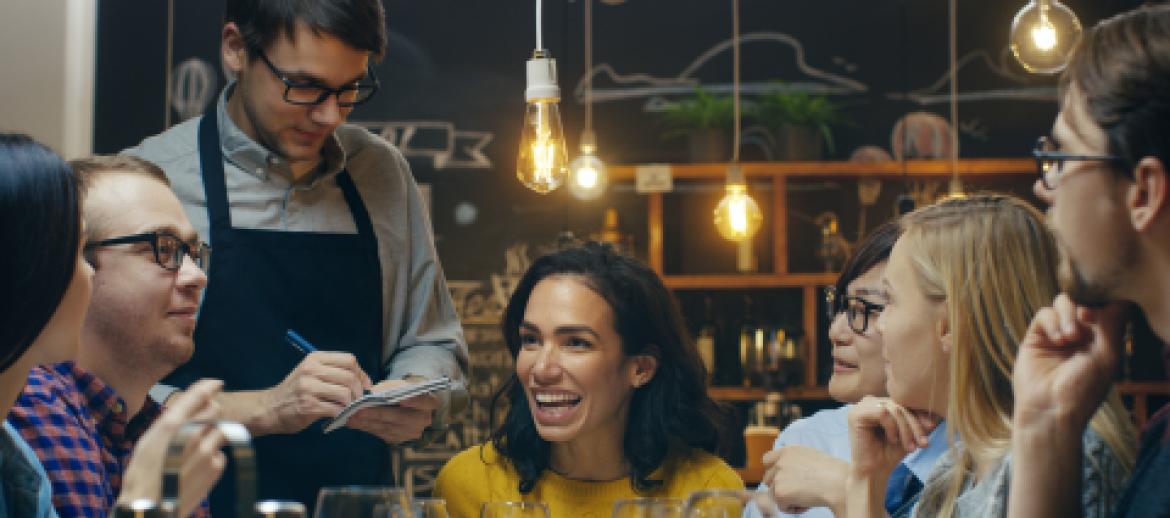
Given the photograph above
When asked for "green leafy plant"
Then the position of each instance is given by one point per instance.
(702, 111)
(788, 106)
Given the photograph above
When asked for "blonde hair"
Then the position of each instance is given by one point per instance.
(991, 258)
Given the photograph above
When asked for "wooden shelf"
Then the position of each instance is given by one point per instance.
(890, 169)
(747, 281)
(758, 394)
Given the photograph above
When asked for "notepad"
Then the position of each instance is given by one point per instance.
(388, 397)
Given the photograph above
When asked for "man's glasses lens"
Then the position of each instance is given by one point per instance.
(169, 251)
(315, 94)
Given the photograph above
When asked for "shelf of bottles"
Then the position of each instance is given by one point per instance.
(757, 309)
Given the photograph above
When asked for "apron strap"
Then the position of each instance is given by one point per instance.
(215, 190)
(361, 217)
(211, 164)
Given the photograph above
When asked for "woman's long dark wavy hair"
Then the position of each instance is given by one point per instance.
(40, 228)
(671, 415)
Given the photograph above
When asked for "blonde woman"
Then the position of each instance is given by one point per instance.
(962, 284)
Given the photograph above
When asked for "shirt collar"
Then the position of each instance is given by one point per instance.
(107, 408)
(922, 461)
(247, 154)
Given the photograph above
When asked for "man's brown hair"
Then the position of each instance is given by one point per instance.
(1122, 70)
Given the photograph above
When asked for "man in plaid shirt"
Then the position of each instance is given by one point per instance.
(83, 418)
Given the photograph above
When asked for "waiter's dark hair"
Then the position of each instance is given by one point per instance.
(40, 226)
(671, 415)
(1122, 69)
(361, 24)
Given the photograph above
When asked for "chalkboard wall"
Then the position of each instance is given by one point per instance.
(452, 99)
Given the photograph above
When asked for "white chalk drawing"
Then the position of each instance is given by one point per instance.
(447, 147)
(1017, 89)
(193, 87)
(638, 86)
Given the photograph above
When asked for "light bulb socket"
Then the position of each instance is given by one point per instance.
(542, 78)
(735, 175)
(588, 142)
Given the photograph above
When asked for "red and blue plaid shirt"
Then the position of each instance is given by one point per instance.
(79, 428)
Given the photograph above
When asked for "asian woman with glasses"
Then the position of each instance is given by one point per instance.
(806, 468)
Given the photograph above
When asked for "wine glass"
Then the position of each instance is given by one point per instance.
(513, 509)
(728, 503)
(359, 501)
(429, 508)
(648, 508)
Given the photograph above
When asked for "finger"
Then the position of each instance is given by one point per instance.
(889, 426)
(771, 457)
(337, 376)
(906, 436)
(917, 431)
(426, 402)
(1048, 327)
(1066, 311)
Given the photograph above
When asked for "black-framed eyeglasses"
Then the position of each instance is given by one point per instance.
(168, 249)
(309, 94)
(1050, 162)
(857, 310)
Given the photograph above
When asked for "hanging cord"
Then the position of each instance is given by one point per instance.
(539, 34)
(735, 79)
(170, 58)
(588, 66)
(954, 97)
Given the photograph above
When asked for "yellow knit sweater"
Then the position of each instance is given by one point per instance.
(479, 474)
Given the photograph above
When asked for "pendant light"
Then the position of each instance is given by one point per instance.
(1043, 34)
(737, 216)
(587, 177)
(541, 164)
(955, 189)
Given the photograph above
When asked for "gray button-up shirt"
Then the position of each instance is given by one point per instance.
(421, 332)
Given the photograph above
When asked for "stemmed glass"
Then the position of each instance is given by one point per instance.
(419, 507)
(648, 508)
(728, 503)
(513, 510)
(359, 501)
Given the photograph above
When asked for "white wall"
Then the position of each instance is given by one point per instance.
(47, 71)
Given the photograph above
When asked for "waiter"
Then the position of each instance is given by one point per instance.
(317, 227)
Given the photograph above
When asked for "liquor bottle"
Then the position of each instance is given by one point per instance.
(705, 339)
(751, 345)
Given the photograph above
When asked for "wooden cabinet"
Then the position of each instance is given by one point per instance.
(779, 175)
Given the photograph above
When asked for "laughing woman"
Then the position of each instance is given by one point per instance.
(607, 402)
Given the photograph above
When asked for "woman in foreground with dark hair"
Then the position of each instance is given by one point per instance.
(607, 401)
(45, 286)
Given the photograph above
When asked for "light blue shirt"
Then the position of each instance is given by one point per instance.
(828, 431)
(25, 482)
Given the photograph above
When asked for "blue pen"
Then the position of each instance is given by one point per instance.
(298, 342)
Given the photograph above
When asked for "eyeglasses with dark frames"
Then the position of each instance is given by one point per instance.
(857, 310)
(168, 249)
(1050, 163)
(310, 94)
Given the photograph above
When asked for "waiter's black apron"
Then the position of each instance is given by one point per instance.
(327, 287)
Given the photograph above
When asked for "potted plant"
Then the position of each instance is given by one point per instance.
(800, 123)
(704, 119)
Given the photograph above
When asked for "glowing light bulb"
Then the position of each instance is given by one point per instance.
(1043, 35)
(542, 162)
(737, 217)
(587, 176)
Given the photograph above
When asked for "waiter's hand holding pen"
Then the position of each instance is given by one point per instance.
(393, 424)
(322, 384)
